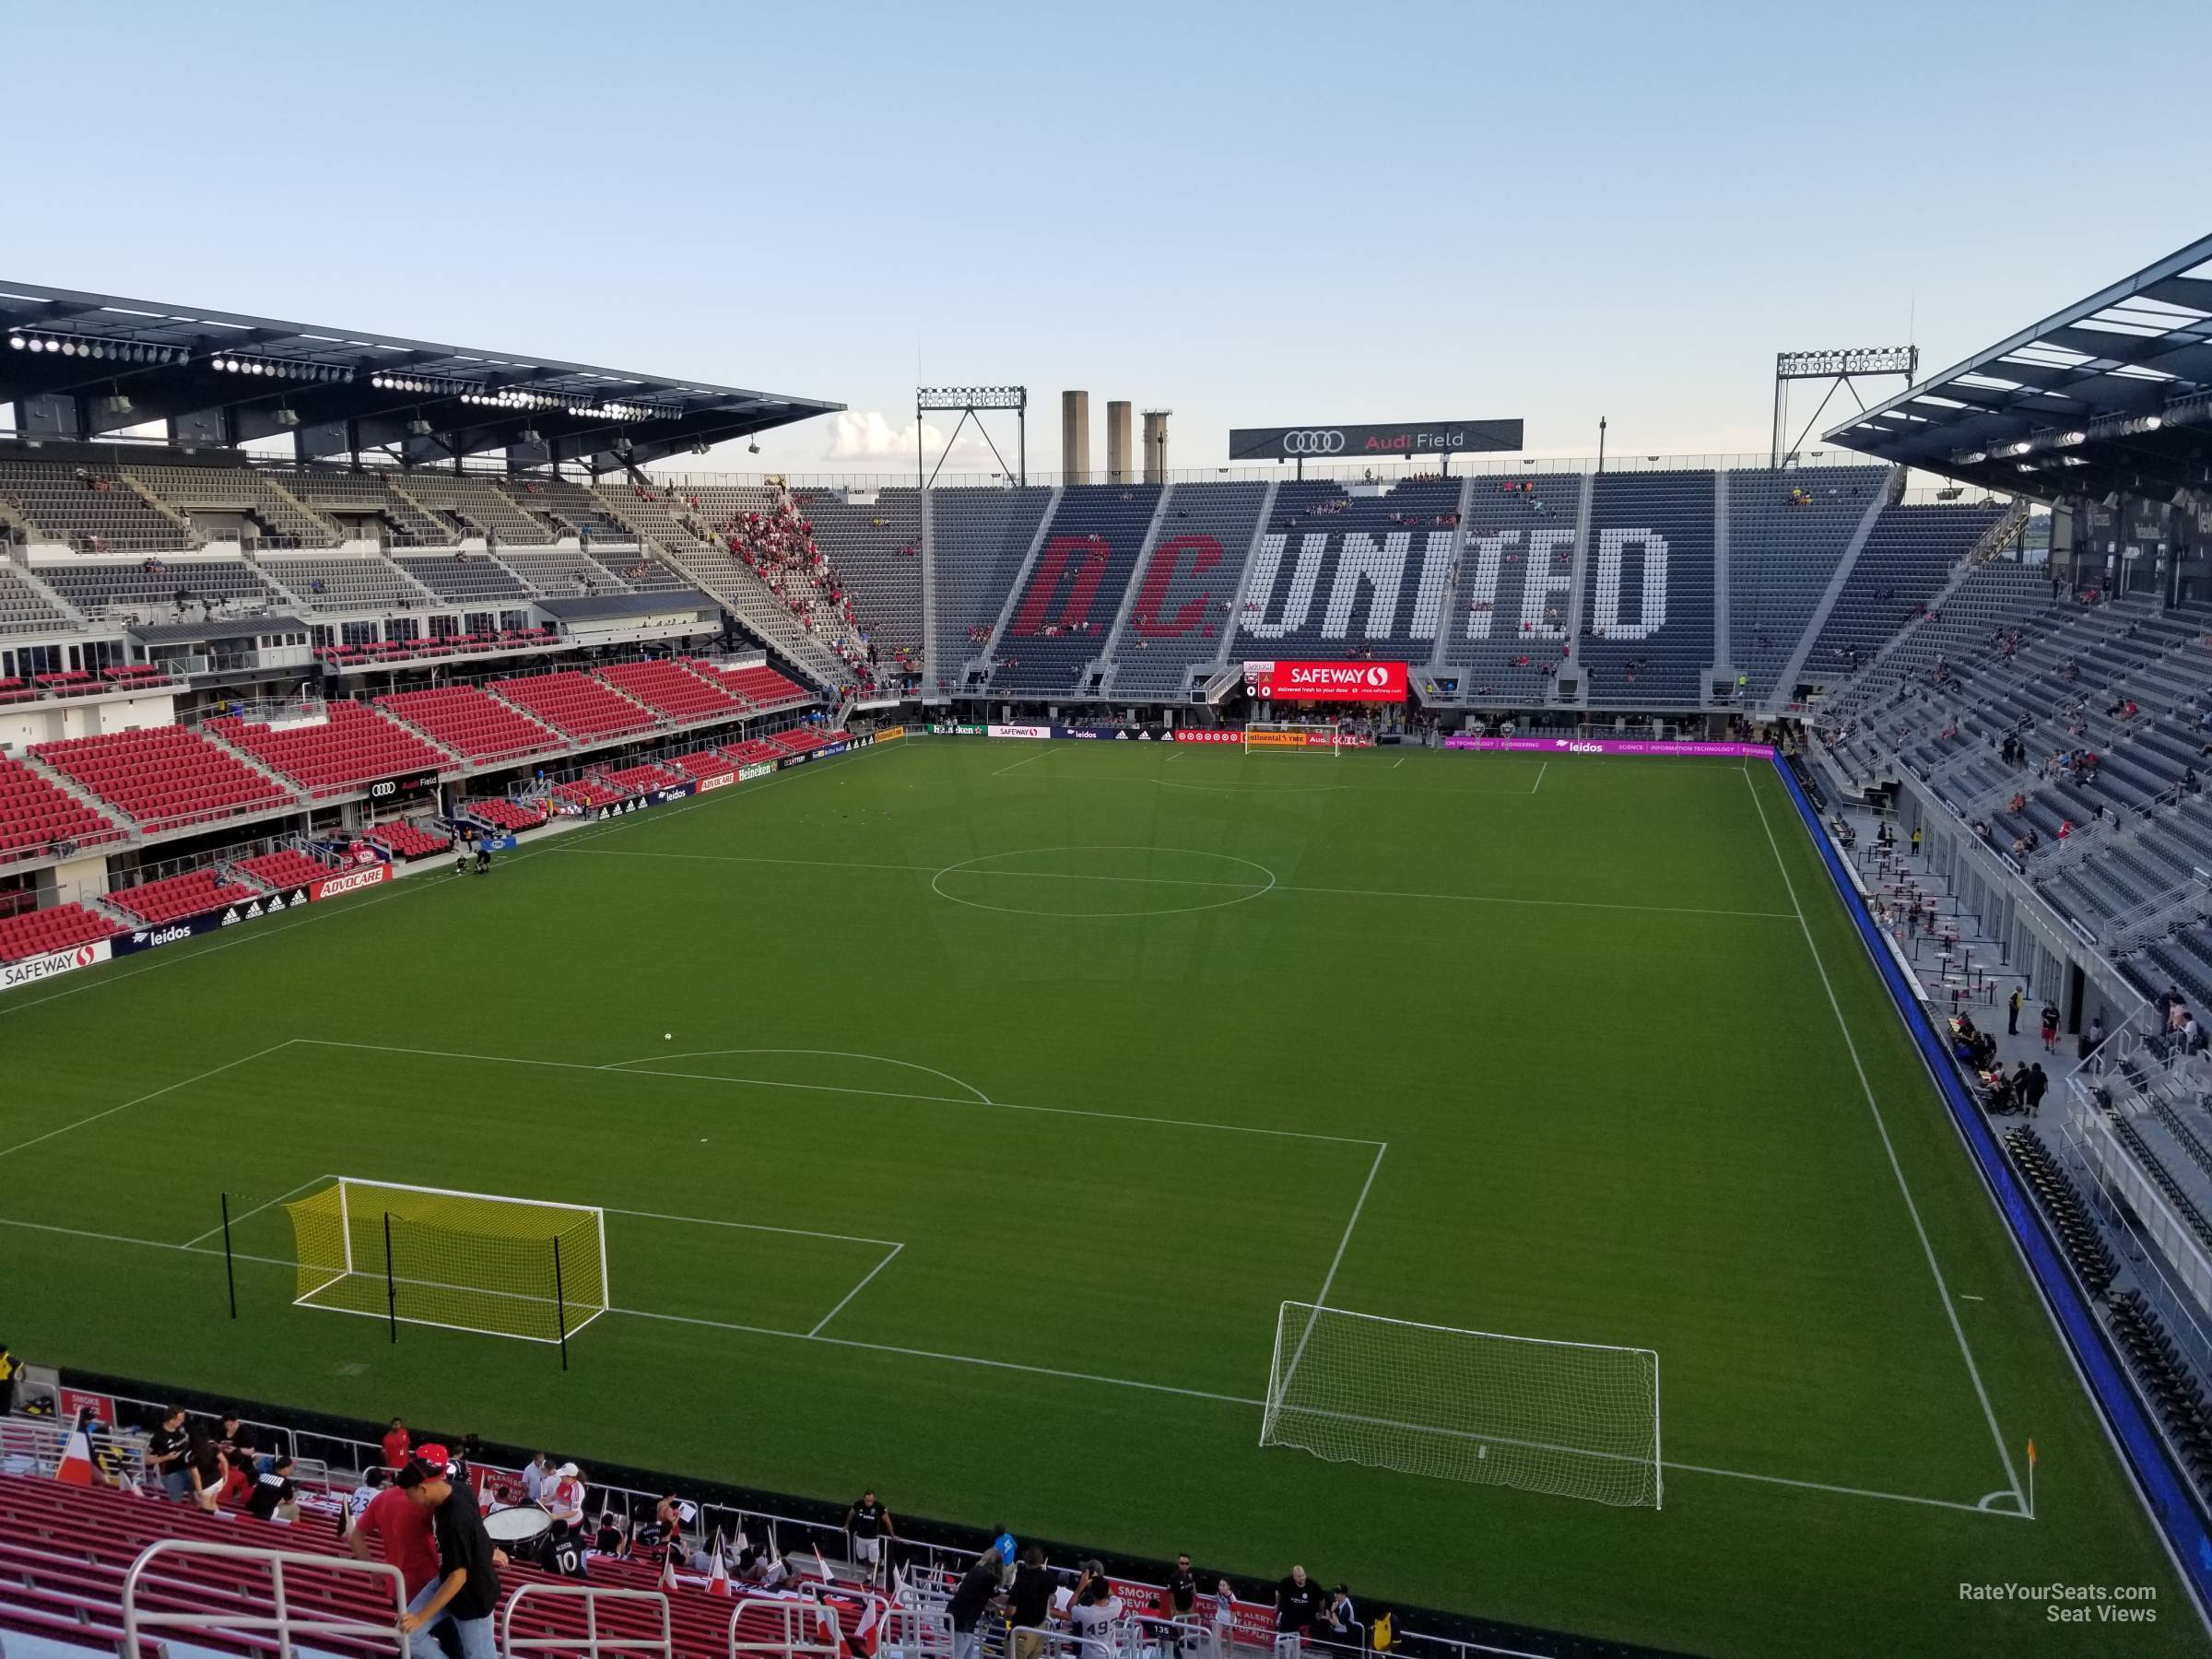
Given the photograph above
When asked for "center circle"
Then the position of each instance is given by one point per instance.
(1084, 883)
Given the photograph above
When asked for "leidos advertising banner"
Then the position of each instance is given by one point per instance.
(1614, 746)
(1325, 682)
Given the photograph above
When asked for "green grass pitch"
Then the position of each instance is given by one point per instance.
(1062, 1066)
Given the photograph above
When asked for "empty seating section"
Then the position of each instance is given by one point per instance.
(800, 740)
(187, 895)
(875, 548)
(763, 688)
(473, 723)
(35, 816)
(158, 587)
(567, 509)
(705, 765)
(1067, 604)
(236, 489)
(58, 927)
(406, 840)
(588, 793)
(286, 867)
(25, 610)
(1339, 574)
(674, 689)
(1177, 620)
(576, 703)
(979, 538)
(637, 780)
(1507, 610)
(472, 578)
(1786, 530)
(345, 581)
(562, 573)
(342, 496)
(503, 814)
(164, 777)
(751, 751)
(472, 506)
(350, 748)
(665, 514)
(643, 574)
(1909, 553)
(1647, 607)
(91, 509)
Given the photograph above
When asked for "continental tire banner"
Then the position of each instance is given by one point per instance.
(1325, 682)
(1283, 739)
(33, 968)
(1614, 746)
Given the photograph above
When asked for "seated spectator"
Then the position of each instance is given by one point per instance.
(274, 1497)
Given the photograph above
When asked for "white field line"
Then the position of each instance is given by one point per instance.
(1039, 755)
(213, 1071)
(1897, 1169)
(1321, 1298)
(856, 1289)
(1539, 782)
(826, 864)
(240, 1220)
(981, 1098)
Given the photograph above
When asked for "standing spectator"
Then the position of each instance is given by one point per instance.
(467, 1589)
(869, 1524)
(401, 1531)
(2050, 1025)
(2090, 1039)
(167, 1449)
(396, 1445)
(564, 1498)
(2012, 1013)
(1030, 1604)
(1003, 1542)
(2033, 1087)
(1183, 1593)
(357, 1501)
(1094, 1606)
(1297, 1605)
(274, 1497)
(970, 1598)
(1225, 1615)
(11, 1371)
(1916, 840)
(1338, 1618)
(533, 1476)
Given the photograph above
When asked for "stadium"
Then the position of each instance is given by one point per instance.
(925, 1056)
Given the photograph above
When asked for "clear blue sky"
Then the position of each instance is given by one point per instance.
(1251, 215)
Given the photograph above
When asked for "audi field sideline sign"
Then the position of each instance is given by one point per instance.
(1402, 441)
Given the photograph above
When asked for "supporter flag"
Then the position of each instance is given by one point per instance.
(862, 1643)
(718, 1582)
(668, 1571)
(823, 1565)
(75, 1467)
(898, 1594)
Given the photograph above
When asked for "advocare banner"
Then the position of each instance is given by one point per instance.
(1614, 746)
(1325, 682)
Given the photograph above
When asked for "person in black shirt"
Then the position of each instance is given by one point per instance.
(166, 1450)
(273, 1490)
(969, 1600)
(563, 1552)
(468, 1589)
(1296, 1604)
(1183, 1600)
(1030, 1603)
(869, 1523)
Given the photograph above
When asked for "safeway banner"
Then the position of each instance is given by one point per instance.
(1325, 682)
(57, 961)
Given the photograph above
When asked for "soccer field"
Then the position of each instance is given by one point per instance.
(964, 1110)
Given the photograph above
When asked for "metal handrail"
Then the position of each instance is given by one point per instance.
(801, 1634)
(593, 1642)
(280, 1619)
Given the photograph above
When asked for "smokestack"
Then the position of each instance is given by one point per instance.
(1074, 437)
(1117, 442)
(1156, 445)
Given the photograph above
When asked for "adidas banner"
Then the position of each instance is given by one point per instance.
(214, 920)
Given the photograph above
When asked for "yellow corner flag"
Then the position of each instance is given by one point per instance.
(2031, 1452)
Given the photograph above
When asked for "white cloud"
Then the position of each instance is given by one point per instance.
(867, 435)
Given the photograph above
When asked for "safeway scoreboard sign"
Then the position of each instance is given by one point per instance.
(1325, 682)
(1320, 442)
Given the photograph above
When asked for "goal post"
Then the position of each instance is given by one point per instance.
(1307, 737)
(524, 1267)
(1576, 1419)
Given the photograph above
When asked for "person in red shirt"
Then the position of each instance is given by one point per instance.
(400, 1529)
(396, 1445)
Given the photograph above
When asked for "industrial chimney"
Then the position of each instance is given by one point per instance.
(1117, 442)
(1074, 437)
(1156, 445)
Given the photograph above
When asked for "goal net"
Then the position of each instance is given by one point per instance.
(1576, 1419)
(463, 1261)
(1313, 736)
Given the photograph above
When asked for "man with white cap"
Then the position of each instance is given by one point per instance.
(563, 1495)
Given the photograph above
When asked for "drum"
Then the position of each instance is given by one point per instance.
(524, 1523)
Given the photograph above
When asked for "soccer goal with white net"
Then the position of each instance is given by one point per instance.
(1577, 1419)
(502, 1266)
(1307, 737)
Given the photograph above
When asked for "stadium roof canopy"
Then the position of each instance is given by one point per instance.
(80, 365)
(2114, 393)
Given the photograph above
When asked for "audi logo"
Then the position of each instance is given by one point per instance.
(1312, 443)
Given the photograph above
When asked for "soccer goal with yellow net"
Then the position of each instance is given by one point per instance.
(522, 1267)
